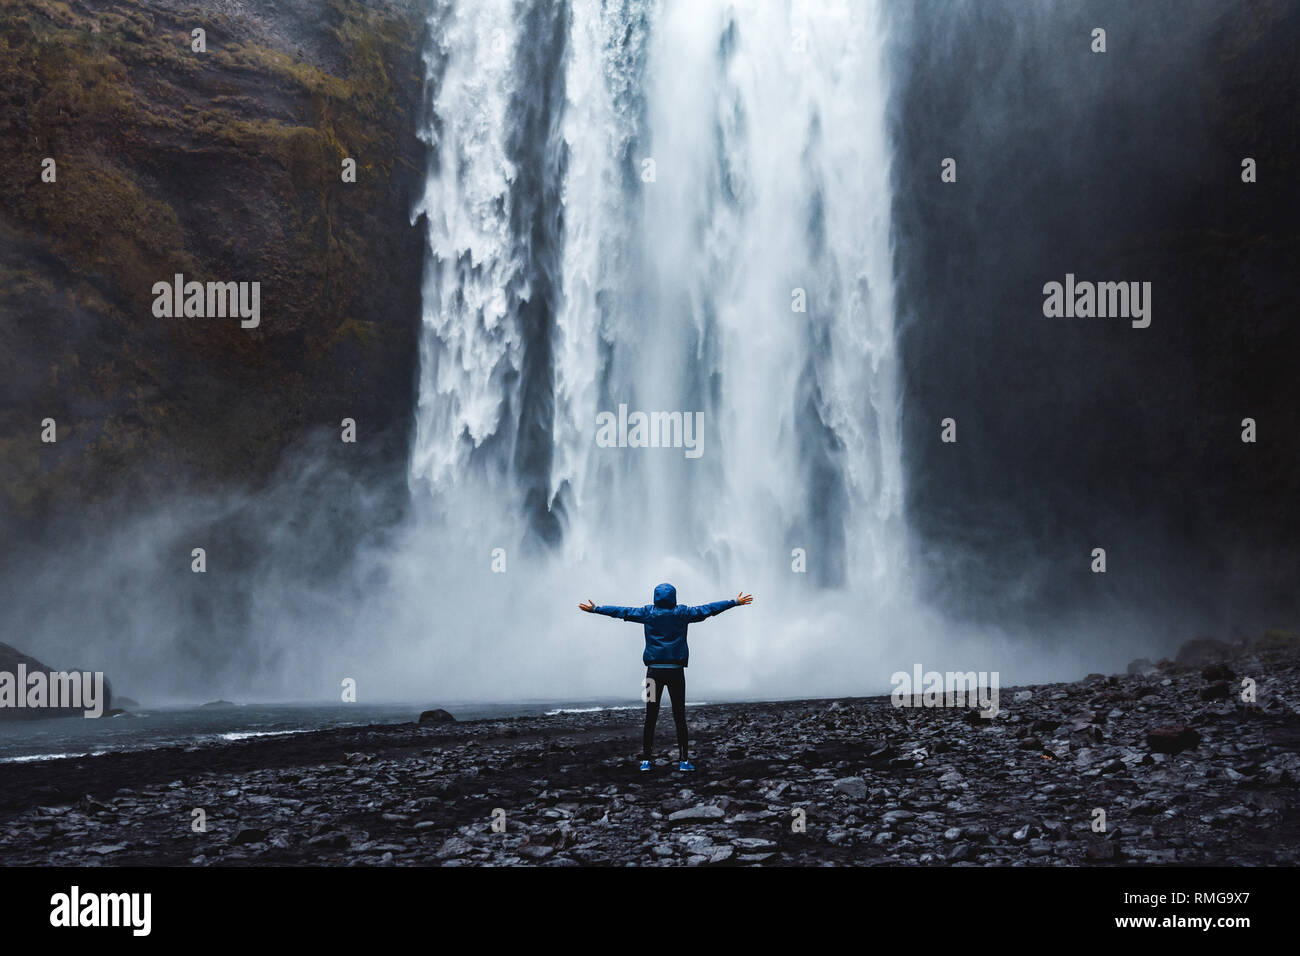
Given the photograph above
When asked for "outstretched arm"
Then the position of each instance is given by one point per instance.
(634, 614)
(702, 611)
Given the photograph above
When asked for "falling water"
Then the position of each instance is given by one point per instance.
(677, 207)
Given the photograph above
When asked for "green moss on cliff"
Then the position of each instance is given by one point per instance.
(221, 165)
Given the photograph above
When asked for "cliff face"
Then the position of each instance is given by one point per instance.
(20, 689)
(1077, 433)
(224, 165)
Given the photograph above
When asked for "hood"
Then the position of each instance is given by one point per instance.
(665, 595)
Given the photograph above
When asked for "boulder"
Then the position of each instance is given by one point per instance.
(1219, 690)
(1277, 642)
(1172, 739)
(437, 716)
(1201, 651)
(1213, 672)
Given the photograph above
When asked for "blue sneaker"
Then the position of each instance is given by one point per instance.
(685, 766)
(646, 765)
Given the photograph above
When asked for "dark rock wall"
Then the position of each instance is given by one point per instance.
(224, 166)
(1082, 433)
(10, 659)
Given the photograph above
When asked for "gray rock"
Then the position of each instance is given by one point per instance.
(898, 816)
(854, 788)
(335, 840)
(1102, 851)
(703, 812)
(720, 854)
(753, 843)
(104, 849)
(454, 847)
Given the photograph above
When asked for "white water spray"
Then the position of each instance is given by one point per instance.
(718, 242)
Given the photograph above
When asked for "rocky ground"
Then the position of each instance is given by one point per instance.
(1184, 770)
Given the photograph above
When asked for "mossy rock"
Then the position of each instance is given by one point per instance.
(222, 165)
(1276, 643)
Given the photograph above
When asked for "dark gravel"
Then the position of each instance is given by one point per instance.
(1183, 776)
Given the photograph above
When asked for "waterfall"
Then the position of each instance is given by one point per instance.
(672, 207)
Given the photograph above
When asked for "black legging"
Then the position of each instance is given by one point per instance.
(674, 679)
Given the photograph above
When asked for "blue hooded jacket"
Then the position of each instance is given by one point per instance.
(665, 624)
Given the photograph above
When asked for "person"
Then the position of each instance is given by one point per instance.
(666, 656)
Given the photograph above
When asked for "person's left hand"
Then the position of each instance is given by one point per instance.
(587, 606)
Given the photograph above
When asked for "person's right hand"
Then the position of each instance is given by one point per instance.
(743, 598)
(587, 606)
